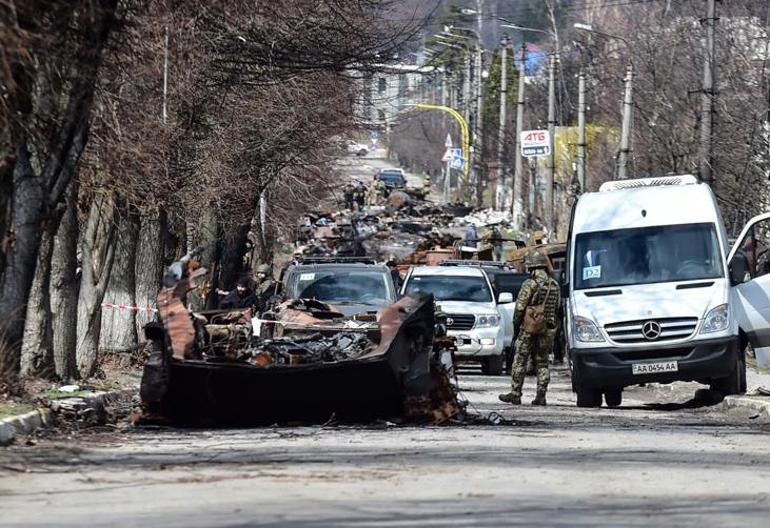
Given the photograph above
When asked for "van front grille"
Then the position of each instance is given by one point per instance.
(645, 330)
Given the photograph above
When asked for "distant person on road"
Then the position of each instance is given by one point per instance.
(241, 297)
(496, 239)
(471, 236)
(359, 195)
(535, 317)
(347, 194)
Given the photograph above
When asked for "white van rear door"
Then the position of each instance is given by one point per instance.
(751, 296)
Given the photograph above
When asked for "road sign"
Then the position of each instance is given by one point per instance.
(448, 142)
(447, 156)
(457, 163)
(535, 143)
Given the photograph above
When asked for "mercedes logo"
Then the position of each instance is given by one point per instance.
(651, 330)
(450, 321)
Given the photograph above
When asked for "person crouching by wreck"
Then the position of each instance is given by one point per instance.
(240, 298)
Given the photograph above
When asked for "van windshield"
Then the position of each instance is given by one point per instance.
(648, 254)
(451, 288)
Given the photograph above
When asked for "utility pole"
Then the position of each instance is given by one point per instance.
(518, 176)
(500, 194)
(550, 168)
(708, 96)
(467, 86)
(479, 126)
(581, 164)
(625, 133)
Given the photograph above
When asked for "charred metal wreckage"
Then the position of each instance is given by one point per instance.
(306, 364)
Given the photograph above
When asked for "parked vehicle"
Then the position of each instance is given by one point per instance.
(359, 149)
(503, 280)
(466, 296)
(392, 178)
(653, 295)
(350, 285)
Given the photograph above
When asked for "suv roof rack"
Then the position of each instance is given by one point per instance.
(479, 263)
(336, 260)
(678, 179)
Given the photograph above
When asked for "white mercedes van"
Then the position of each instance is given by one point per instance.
(654, 294)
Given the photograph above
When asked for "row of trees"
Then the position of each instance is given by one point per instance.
(665, 44)
(134, 131)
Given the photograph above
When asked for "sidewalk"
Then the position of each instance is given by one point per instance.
(755, 405)
(83, 406)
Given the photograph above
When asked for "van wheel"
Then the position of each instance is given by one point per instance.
(589, 397)
(613, 397)
(735, 383)
(493, 366)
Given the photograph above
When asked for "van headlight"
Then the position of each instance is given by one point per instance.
(716, 320)
(487, 321)
(586, 330)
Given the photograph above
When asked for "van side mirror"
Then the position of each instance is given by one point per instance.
(564, 290)
(737, 268)
(505, 298)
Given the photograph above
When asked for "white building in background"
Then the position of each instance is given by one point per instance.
(393, 88)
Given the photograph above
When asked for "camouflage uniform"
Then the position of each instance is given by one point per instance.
(532, 293)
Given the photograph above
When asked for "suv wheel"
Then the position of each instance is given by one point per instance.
(613, 396)
(493, 366)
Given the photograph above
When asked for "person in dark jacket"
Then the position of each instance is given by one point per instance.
(241, 297)
(395, 274)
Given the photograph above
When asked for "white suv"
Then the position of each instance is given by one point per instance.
(465, 295)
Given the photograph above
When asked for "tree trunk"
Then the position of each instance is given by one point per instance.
(97, 253)
(148, 267)
(35, 193)
(64, 292)
(233, 252)
(119, 325)
(24, 240)
(207, 237)
(37, 345)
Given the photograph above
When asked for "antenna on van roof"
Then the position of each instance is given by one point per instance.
(682, 179)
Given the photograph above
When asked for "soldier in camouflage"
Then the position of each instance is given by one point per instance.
(538, 290)
(266, 286)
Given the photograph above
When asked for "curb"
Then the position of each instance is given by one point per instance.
(26, 423)
(760, 409)
(79, 407)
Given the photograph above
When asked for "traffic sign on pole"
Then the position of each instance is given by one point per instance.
(535, 143)
(448, 142)
(448, 156)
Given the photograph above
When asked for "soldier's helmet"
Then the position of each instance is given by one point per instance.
(263, 268)
(535, 260)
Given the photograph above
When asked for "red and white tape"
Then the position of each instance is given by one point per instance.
(134, 308)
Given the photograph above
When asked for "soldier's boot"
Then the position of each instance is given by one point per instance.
(539, 399)
(510, 397)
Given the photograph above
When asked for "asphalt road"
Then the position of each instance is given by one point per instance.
(644, 463)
